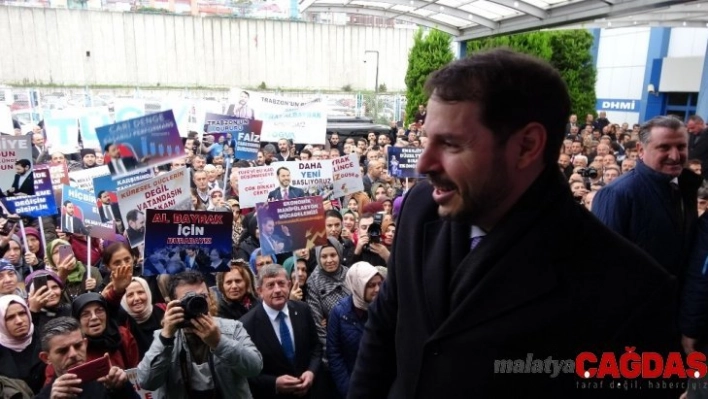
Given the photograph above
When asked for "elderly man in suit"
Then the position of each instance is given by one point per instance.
(285, 334)
(285, 191)
(484, 269)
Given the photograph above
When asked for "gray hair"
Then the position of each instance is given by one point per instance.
(271, 270)
(56, 327)
(669, 122)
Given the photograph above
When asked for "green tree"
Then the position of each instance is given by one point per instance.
(567, 50)
(428, 54)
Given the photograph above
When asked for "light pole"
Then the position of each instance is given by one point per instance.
(376, 88)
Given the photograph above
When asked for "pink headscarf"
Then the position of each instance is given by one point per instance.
(15, 344)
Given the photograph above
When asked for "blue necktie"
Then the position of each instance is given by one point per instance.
(286, 341)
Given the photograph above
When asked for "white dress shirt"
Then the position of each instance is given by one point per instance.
(273, 314)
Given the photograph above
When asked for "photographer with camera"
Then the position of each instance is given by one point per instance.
(196, 354)
(369, 247)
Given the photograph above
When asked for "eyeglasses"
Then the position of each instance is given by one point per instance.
(89, 314)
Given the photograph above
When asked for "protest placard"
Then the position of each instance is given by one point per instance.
(182, 110)
(180, 240)
(83, 179)
(302, 120)
(311, 177)
(402, 162)
(241, 134)
(254, 184)
(346, 174)
(108, 183)
(14, 150)
(62, 130)
(42, 203)
(141, 143)
(79, 215)
(291, 224)
(168, 191)
(132, 375)
(59, 174)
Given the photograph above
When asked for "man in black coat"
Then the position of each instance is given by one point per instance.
(23, 183)
(484, 272)
(289, 367)
(698, 142)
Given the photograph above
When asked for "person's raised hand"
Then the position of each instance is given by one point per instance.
(207, 329)
(38, 298)
(296, 292)
(31, 259)
(115, 379)
(121, 277)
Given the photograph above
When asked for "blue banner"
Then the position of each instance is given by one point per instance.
(80, 215)
(606, 104)
(42, 203)
(241, 134)
(179, 240)
(402, 162)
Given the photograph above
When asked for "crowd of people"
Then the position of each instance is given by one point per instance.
(481, 269)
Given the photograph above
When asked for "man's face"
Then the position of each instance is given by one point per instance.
(139, 223)
(372, 155)
(69, 209)
(628, 164)
(65, 351)
(609, 159)
(58, 158)
(89, 159)
(284, 178)
(576, 148)
(382, 140)
(260, 160)
(20, 169)
(361, 145)
(377, 171)
(334, 139)
(263, 260)
(243, 99)
(702, 204)
(283, 146)
(93, 319)
(364, 224)
(463, 162)
(114, 152)
(666, 151)
(564, 161)
(198, 163)
(573, 118)
(695, 127)
(201, 180)
(13, 253)
(274, 291)
(602, 150)
(268, 227)
(106, 198)
(610, 175)
(99, 158)
(38, 140)
(179, 163)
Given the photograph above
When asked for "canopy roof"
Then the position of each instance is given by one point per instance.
(471, 19)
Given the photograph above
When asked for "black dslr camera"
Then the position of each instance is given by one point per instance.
(194, 305)
(588, 172)
(375, 229)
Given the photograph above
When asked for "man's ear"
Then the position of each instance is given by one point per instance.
(44, 356)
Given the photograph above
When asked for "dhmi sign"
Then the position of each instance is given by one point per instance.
(617, 105)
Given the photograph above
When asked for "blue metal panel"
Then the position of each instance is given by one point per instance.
(702, 107)
(658, 49)
(595, 44)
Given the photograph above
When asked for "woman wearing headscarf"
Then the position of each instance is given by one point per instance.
(71, 271)
(11, 249)
(237, 291)
(9, 279)
(48, 301)
(103, 333)
(326, 284)
(139, 315)
(35, 257)
(257, 260)
(20, 344)
(345, 326)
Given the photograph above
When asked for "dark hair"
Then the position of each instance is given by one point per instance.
(132, 216)
(107, 146)
(188, 277)
(241, 164)
(58, 326)
(67, 202)
(333, 214)
(110, 250)
(100, 193)
(498, 82)
(668, 122)
(695, 118)
(25, 163)
(306, 151)
(277, 172)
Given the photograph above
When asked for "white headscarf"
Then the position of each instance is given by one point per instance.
(6, 340)
(357, 277)
(143, 316)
